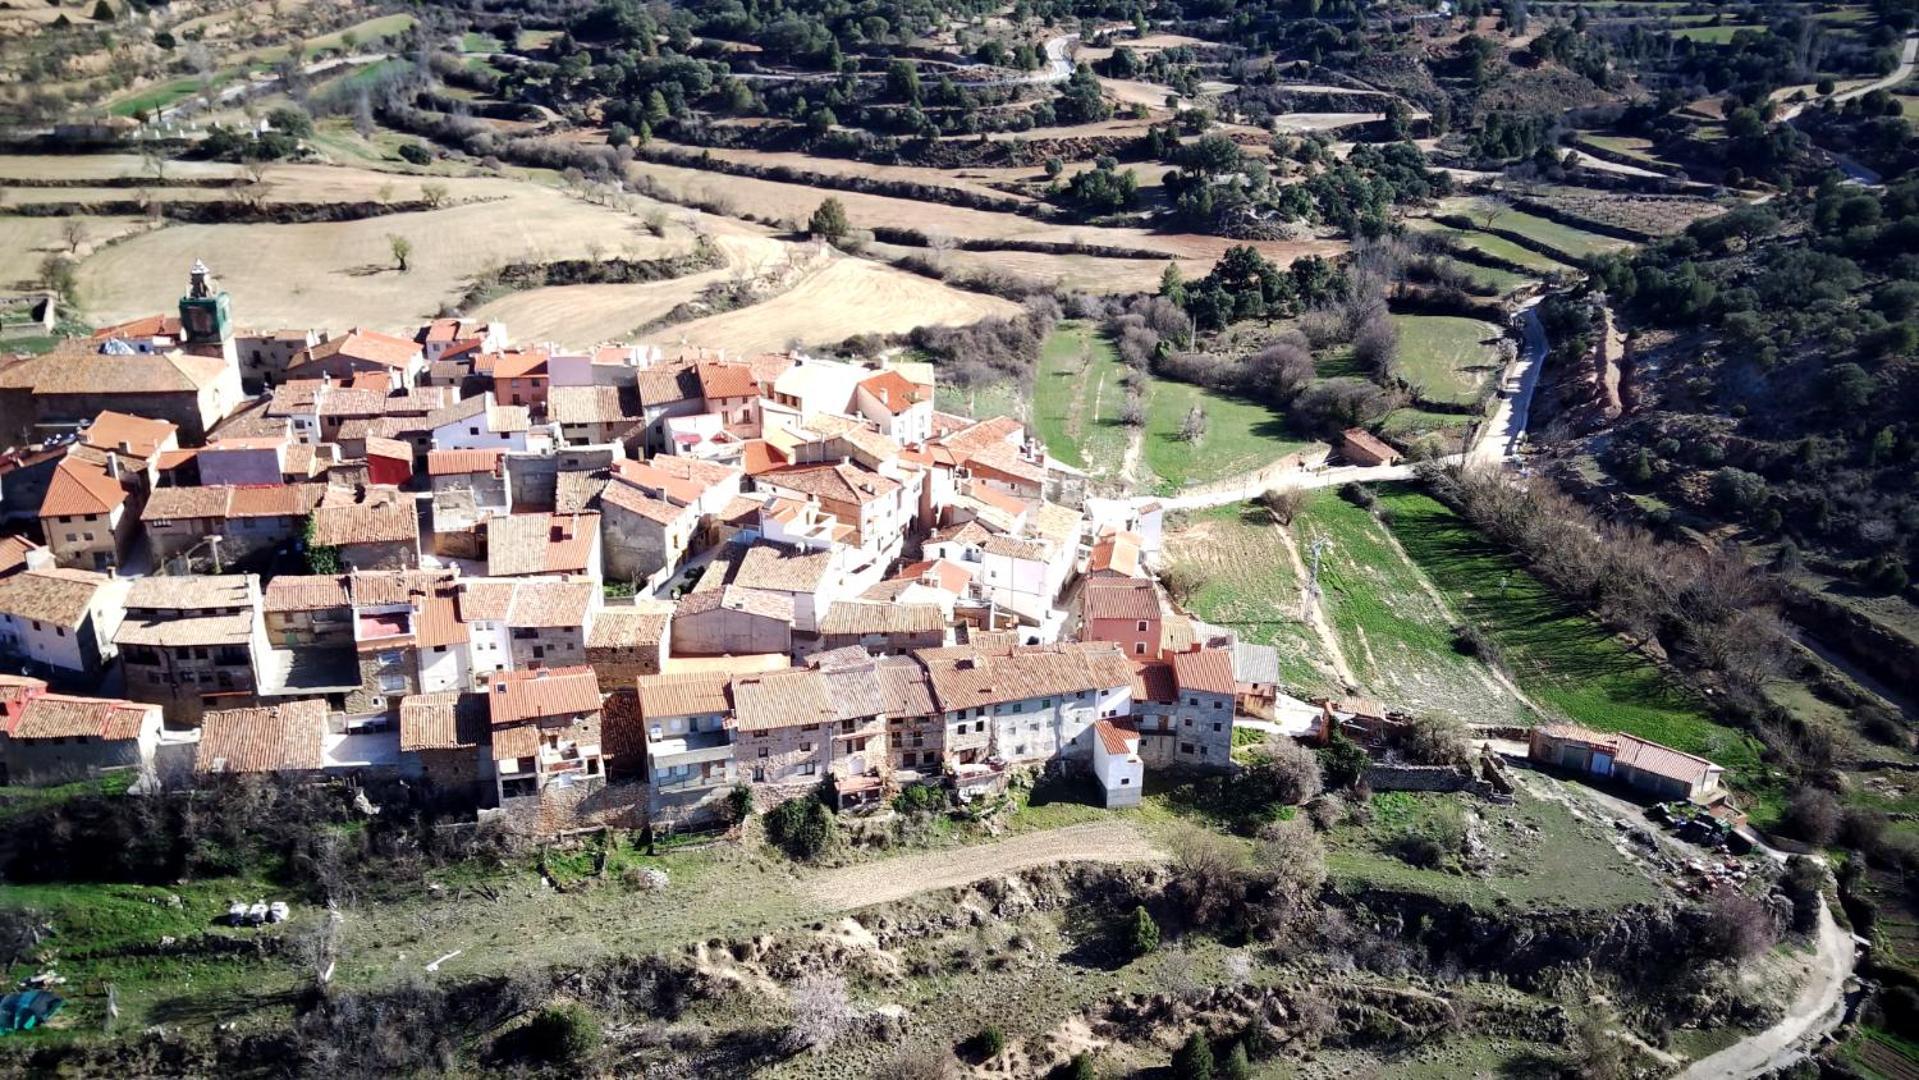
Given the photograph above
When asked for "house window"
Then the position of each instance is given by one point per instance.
(806, 748)
(1187, 721)
(1219, 704)
(762, 751)
(1217, 725)
(393, 684)
(1142, 626)
(808, 769)
(1139, 648)
(1185, 748)
(472, 431)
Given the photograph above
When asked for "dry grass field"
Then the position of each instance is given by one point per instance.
(794, 202)
(847, 297)
(344, 273)
(25, 241)
(1084, 273)
(582, 315)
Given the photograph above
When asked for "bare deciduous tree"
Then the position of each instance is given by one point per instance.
(74, 232)
(822, 1012)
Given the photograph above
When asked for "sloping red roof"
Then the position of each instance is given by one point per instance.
(80, 487)
(726, 381)
(893, 391)
(140, 436)
(1115, 739)
(514, 696)
(1209, 671)
(272, 738)
(1366, 441)
(460, 462)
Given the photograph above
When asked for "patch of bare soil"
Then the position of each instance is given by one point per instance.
(852, 887)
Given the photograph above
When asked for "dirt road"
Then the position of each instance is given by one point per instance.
(1818, 1007)
(896, 879)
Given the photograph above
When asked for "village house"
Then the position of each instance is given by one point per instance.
(627, 642)
(189, 644)
(18, 554)
(665, 391)
(1255, 678)
(1117, 764)
(1362, 447)
(857, 748)
(307, 610)
(689, 745)
(548, 623)
(1143, 522)
(248, 521)
(1125, 611)
(545, 731)
(1026, 704)
(809, 580)
(915, 727)
(593, 414)
(386, 647)
(1116, 554)
(286, 739)
(1202, 732)
(783, 724)
(50, 738)
(900, 409)
(520, 377)
(137, 440)
(883, 628)
(373, 528)
(266, 357)
(60, 621)
(731, 620)
(242, 459)
(1637, 763)
(480, 472)
(358, 352)
(871, 504)
(731, 392)
(441, 336)
(76, 381)
(532, 544)
(479, 423)
(443, 641)
(449, 735)
(646, 537)
(87, 516)
(941, 582)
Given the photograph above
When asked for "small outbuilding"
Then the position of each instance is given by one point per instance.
(1362, 447)
(1117, 764)
(1638, 763)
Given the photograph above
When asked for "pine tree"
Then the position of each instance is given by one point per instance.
(1172, 284)
(1236, 1066)
(1145, 933)
(1194, 1059)
(829, 221)
(102, 11)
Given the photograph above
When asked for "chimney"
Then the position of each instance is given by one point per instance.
(113, 465)
(539, 673)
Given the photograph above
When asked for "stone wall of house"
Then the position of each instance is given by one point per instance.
(399, 555)
(721, 632)
(634, 547)
(778, 757)
(399, 663)
(559, 646)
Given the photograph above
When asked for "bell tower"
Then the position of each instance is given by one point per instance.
(206, 316)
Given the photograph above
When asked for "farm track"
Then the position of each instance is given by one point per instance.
(852, 887)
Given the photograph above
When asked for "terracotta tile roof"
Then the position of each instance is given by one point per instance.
(698, 694)
(628, 628)
(147, 326)
(172, 631)
(172, 503)
(14, 551)
(540, 543)
(197, 592)
(944, 574)
(437, 618)
(515, 741)
(769, 566)
(1366, 441)
(1006, 461)
(574, 492)
(520, 364)
(844, 483)
(870, 443)
(367, 346)
(853, 683)
(1117, 552)
(462, 462)
(78, 369)
(379, 446)
(860, 617)
(79, 487)
(485, 601)
(777, 699)
(297, 396)
(1634, 752)
(1119, 598)
(904, 682)
(677, 479)
(548, 604)
(586, 405)
(624, 496)
(1115, 739)
(385, 517)
(1015, 547)
(667, 383)
(766, 605)
(56, 596)
(272, 738)
(305, 592)
(445, 721)
(515, 696)
(1153, 681)
(1209, 671)
(893, 391)
(138, 435)
(965, 677)
(272, 500)
(355, 401)
(727, 381)
(59, 716)
(759, 456)
(969, 533)
(391, 588)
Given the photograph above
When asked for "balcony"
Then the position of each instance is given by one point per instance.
(689, 748)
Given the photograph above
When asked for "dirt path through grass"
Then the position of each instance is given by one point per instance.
(1314, 617)
(898, 878)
